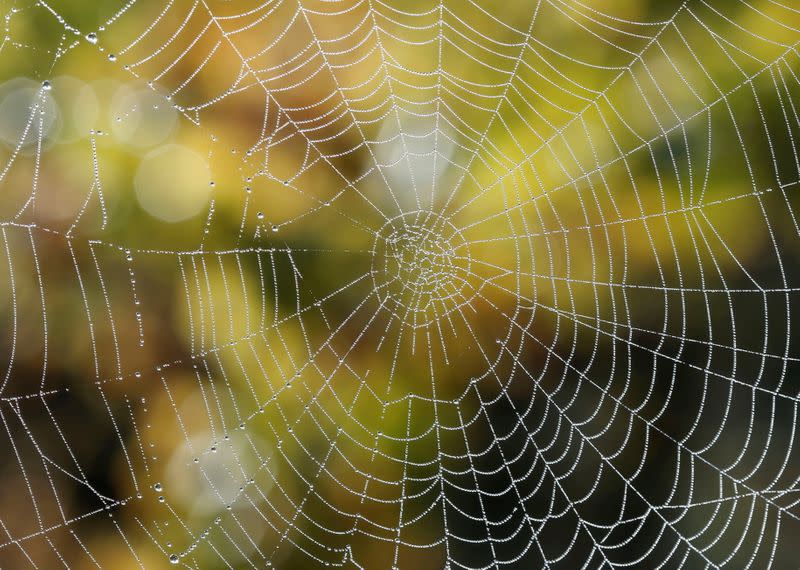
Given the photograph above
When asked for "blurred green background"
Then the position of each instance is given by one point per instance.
(375, 284)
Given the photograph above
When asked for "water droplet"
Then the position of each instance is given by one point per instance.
(91, 38)
(174, 559)
(274, 228)
(112, 57)
(46, 85)
(158, 487)
(260, 215)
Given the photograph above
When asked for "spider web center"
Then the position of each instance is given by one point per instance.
(420, 266)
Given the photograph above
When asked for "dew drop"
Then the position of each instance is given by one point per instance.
(158, 487)
(46, 85)
(91, 38)
(112, 57)
(174, 559)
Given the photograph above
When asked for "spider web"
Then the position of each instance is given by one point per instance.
(477, 284)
